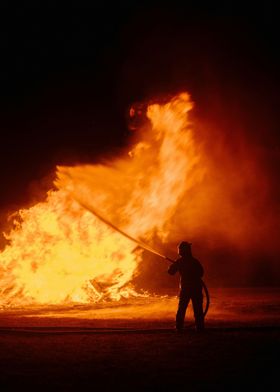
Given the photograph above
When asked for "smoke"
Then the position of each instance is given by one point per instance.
(232, 214)
(229, 204)
(228, 208)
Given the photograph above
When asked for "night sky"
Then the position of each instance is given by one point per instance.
(68, 77)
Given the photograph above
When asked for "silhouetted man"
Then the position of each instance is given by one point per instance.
(191, 272)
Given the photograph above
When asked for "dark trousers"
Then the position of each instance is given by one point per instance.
(195, 295)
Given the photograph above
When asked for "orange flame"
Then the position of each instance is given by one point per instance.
(60, 253)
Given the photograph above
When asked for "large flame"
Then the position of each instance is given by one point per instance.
(58, 252)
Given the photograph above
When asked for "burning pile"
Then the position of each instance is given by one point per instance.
(58, 252)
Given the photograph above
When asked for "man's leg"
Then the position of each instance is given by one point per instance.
(197, 302)
(182, 307)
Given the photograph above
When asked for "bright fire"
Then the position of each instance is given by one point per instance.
(58, 252)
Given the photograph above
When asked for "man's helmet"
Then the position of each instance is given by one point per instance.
(184, 245)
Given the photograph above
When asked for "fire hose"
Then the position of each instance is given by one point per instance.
(141, 245)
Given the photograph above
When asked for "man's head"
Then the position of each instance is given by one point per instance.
(184, 248)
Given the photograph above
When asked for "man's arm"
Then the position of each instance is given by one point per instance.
(173, 268)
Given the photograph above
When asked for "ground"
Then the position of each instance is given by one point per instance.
(109, 348)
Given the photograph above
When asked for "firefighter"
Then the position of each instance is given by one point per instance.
(191, 272)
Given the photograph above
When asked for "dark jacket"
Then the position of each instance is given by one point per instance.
(190, 270)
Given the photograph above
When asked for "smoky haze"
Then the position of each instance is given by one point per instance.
(228, 209)
(231, 215)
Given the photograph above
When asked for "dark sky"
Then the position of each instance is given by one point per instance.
(69, 75)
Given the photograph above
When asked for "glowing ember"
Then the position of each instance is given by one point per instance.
(60, 253)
